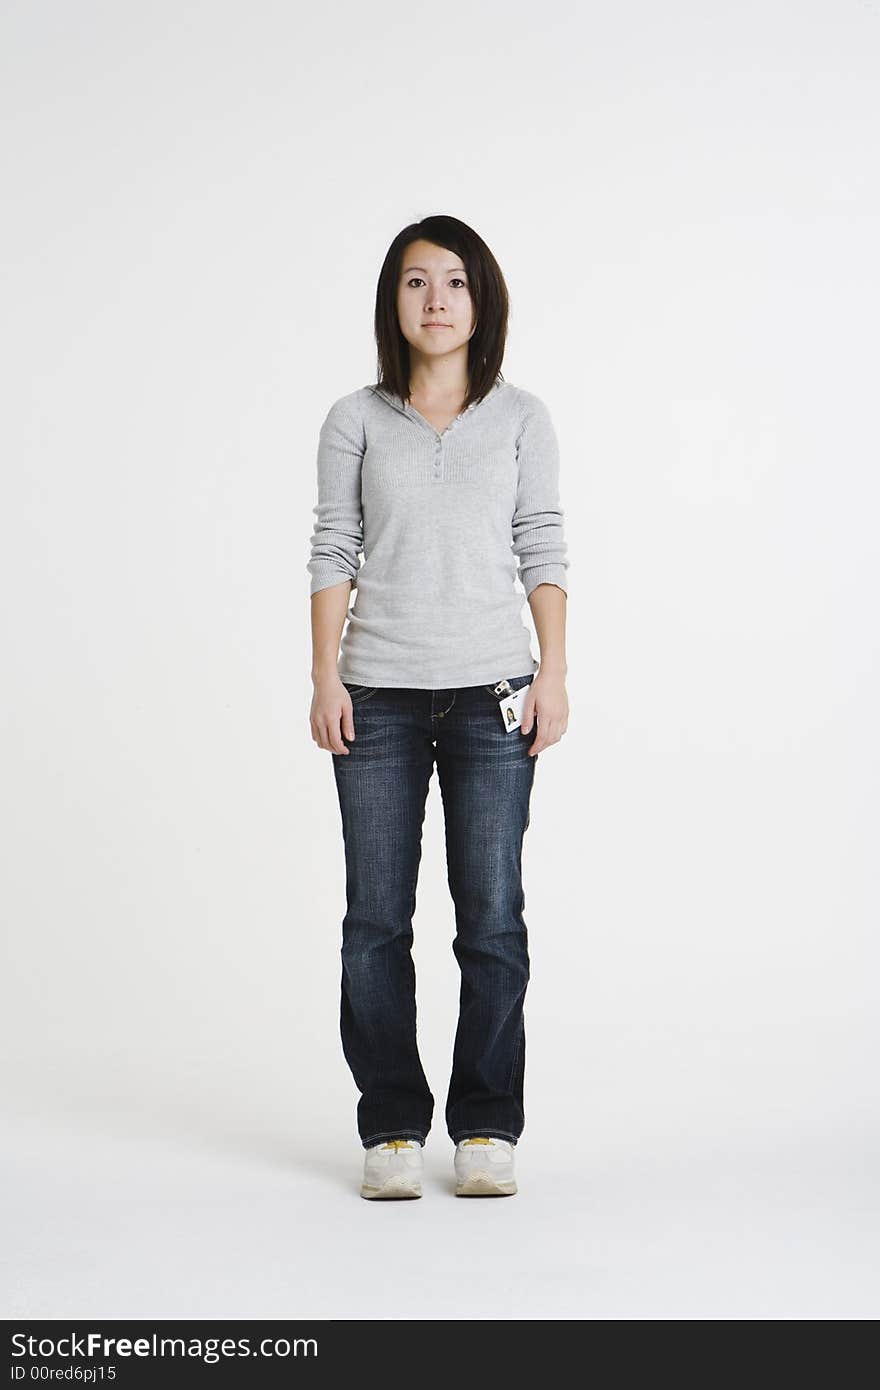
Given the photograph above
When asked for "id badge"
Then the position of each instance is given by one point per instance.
(511, 706)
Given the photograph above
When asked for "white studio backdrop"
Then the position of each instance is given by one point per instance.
(684, 201)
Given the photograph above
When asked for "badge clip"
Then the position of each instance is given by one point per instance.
(510, 703)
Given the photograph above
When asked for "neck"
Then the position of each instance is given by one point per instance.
(438, 379)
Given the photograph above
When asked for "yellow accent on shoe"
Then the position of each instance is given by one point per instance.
(398, 1144)
(478, 1140)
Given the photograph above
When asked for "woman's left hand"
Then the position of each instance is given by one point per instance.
(548, 702)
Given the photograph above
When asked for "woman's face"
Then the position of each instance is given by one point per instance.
(434, 289)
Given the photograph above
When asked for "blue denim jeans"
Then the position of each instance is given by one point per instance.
(486, 775)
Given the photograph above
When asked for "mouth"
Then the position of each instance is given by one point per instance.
(436, 325)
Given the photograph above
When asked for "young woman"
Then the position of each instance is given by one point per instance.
(445, 477)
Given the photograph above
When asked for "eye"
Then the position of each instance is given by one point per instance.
(417, 280)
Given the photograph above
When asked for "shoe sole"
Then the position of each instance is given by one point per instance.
(393, 1188)
(481, 1185)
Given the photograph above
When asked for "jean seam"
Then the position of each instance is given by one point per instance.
(361, 699)
(445, 711)
(517, 1052)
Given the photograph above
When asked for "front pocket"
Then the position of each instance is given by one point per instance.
(515, 683)
(360, 692)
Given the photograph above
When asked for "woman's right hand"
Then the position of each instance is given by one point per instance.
(331, 712)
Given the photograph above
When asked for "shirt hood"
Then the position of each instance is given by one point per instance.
(406, 409)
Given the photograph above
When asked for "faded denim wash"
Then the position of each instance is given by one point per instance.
(486, 775)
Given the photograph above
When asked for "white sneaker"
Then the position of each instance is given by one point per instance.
(484, 1168)
(393, 1169)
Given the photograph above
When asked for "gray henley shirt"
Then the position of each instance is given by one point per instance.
(447, 523)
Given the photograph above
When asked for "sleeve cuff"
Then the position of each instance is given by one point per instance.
(545, 574)
(325, 579)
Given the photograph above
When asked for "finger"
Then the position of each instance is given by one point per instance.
(534, 717)
(544, 737)
(335, 742)
(548, 734)
(548, 729)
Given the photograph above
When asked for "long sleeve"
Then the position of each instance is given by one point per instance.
(337, 538)
(538, 520)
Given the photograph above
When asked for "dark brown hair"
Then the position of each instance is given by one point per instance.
(488, 294)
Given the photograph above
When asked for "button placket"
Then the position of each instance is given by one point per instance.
(437, 462)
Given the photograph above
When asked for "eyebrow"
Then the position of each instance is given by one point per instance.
(458, 269)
